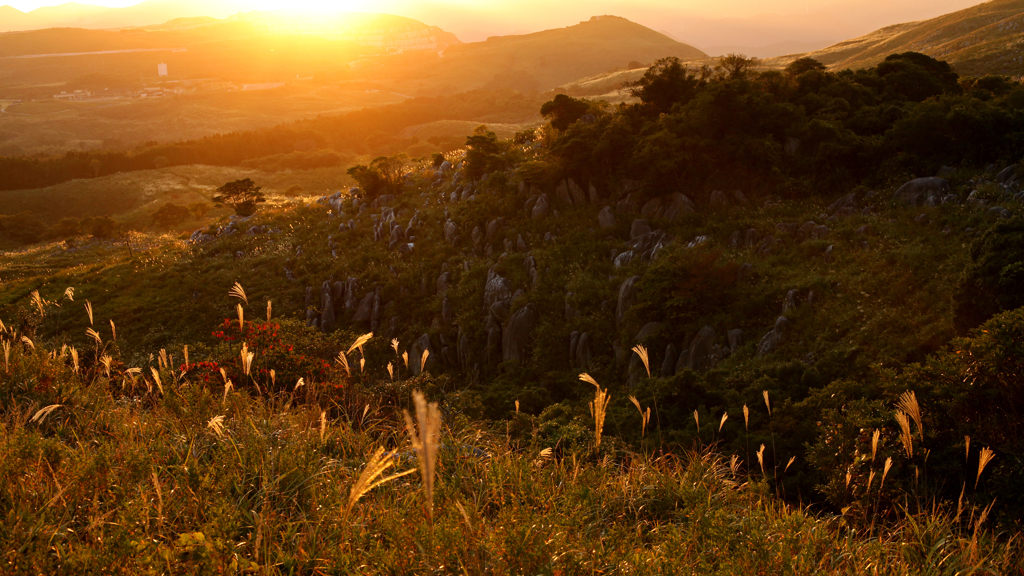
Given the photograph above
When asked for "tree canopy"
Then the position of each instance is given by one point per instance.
(242, 195)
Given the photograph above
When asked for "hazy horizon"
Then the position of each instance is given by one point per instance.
(729, 24)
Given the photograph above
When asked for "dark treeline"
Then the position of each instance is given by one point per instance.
(369, 131)
(793, 132)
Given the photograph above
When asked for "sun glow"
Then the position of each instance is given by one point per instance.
(314, 7)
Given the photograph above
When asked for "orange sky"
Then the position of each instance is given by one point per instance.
(700, 22)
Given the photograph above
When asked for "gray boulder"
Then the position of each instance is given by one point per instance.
(365, 309)
(493, 229)
(718, 199)
(584, 352)
(651, 209)
(497, 289)
(540, 208)
(351, 286)
(562, 193)
(326, 308)
(702, 355)
(1010, 174)
(516, 336)
(606, 218)
(668, 365)
(639, 228)
(751, 238)
(921, 191)
(493, 351)
(450, 230)
(416, 356)
(627, 295)
(735, 339)
(579, 198)
(447, 311)
(772, 339)
(678, 205)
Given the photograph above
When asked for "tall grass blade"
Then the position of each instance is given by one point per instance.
(343, 360)
(238, 292)
(984, 458)
(44, 412)
(425, 441)
(905, 435)
(908, 404)
(642, 353)
(156, 378)
(88, 310)
(362, 340)
(423, 359)
(368, 478)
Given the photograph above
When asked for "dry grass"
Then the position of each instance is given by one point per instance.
(642, 353)
(907, 403)
(237, 291)
(598, 408)
(425, 441)
(376, 465)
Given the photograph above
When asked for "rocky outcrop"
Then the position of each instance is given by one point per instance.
(772, 339)
(516, 336)
(627, 295)
(922, 191)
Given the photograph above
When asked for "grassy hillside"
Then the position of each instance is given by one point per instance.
(782, 329)
(983, 39)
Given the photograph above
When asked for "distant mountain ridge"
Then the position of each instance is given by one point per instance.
(378, 30)
(984, 39)
(542, 60)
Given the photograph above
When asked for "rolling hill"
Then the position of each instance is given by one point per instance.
(540, 61)
(984, 39)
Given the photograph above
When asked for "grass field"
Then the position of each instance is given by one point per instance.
(52, 127)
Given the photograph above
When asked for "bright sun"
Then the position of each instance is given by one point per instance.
(309, 6)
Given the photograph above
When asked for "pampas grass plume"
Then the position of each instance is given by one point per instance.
(425, 441)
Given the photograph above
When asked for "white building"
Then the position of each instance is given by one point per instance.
(161, 69)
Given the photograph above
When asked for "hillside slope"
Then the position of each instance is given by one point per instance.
(540, 61)
(984, 39)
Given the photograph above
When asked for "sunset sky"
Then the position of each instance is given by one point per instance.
(700, 22)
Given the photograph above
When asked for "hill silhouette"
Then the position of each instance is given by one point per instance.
(983, 39)
(542, 60)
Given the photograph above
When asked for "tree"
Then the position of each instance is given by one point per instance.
(801, 65)
(242, 195)
(100, 228)
(991, 281)
(170, 215)
(65, 228)
(199, 209)
(484, 153)
(382, 176)
(736, 65)
(664, 84)
(564, 110)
